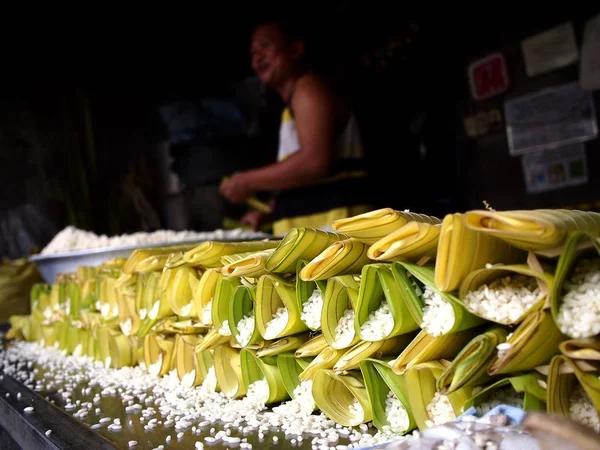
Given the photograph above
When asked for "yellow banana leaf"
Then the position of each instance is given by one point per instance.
(462, 250)
(149, 259)
(283, 345)
(228, 369)
(470, 366)
(205, 293)
(185, 359)
(534, 395)
(129, 321)
(376, 350)
(378, 285)
(533, 343)
(241, 306)
(341, 294)
(326, 359)
(410, 242)
(255, 369)
(290, 369)
(179, 290)
(122, 350)
(581, 349)
(543, 231)
(208, 254)
(374, 225)
(300, 244)
(312, 348)
(158, 354)
(342, 398)
(210, 341)
(305, 290)
(103, 337)
(340, 258)
(251, 266)
(203, 363)
(220, 304)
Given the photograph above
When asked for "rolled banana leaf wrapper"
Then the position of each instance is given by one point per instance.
(284, 345)
(255, 369)
(470, 366)
(123, 350)
(250, 266)
(158, 354)
(179, 325)
(375, 225)
(309, 296)
(39, 297)
(208, 254)
(524, 391)
(211, 340)
(411, 242)
(342, 398)
(339, 305)
(425, 347)
(573, 287)
(204, 364)
(380, 312)
(300, 244)
(505, 294)
(276, 308)
(107, 301)
(20, 328)
(151, 259)
(543, 231)
(228, 369)
(533, 343)
(340, 258)
(352, 357)
(312, 347)
(185, 359)
(388, 394)
(435, 311)
(50, 338)
(129, 321)
(290, 369)
(143, 299)
(221, 302)
(428, 406)
(462, 250)
(326, 359)
(205, 293)
(180, 284)
(242, 316)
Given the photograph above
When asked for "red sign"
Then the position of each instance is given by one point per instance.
(488, 76)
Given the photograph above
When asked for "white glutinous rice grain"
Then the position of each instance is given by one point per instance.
(396, 415)
(505, 299)
(344, 331)
(582, 410)
(312, 309)
(356, 410)
(245, 329)
(438, 314)
(579, 313)
(503, 348)
(210, 381)
(154, 368)
(439, 410)
(277, 324)
(207, 314)
(187, 309)
(379, 324)
(127, 327)
(505, 396)
(224, 330)
(188, 378)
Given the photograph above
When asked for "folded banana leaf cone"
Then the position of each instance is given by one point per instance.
(204, 363)
(276, 308)
(105, 292)
(123, 350)
(283, 345)
(73, 301)
(242, 316)
(388, 394)
(103, 338)
(158, 354)
(543, 231)
(221, 302)
(376, 350)
(470, 366)
(427, 405)
(58, 297)
(39, 298)
(49, 337)
(181, 284)
(462, 250)
(342, 398)
(339, 306)
(575, 287)
(312, 347)
(255, 369)
(290, 369)
(211, 340)
(435, 311)
(228, 369)
(410, 242)
(326, 359)
(533, 343)
(375, 225)
(185, 359)
(208, 254)
(309, 296)
(179, 325)
(205, 293)
(129, 321)
(382, 311)
(300, 244)
(250, 266)
(151, 259)
(425, 347)
(506, 294)
(525, 391)
(77, 338)
(340, 258)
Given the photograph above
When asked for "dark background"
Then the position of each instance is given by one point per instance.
(80, 100)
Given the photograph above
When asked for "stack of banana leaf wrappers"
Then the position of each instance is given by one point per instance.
(398, 318)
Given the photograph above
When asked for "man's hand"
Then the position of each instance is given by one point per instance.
(254, 218)
(236, 189)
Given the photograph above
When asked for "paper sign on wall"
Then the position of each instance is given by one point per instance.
(488, 76)
(556, 168)
(550, 50)
(589, 73)
(550, 118)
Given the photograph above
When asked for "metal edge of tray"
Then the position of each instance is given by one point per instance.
(29, 430)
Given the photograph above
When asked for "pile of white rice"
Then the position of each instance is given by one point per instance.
(210, 381)
(396, 415)
(245, 329)
(312, 309)
(224, 330)
(72, 238)
(356, 410)
(154, 368)
(344, 331)
(379, 325)
(582, 410)
(506, 299)
(439, 410)
(438, 315)
(505, 396)
(277, 324)
(207, 313)
(579, 313)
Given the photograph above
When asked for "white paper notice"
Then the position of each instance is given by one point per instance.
(589, 73)
(556, 168)
(552, 117)
(550, 50)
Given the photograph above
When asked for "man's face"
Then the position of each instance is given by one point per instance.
(273, 58)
